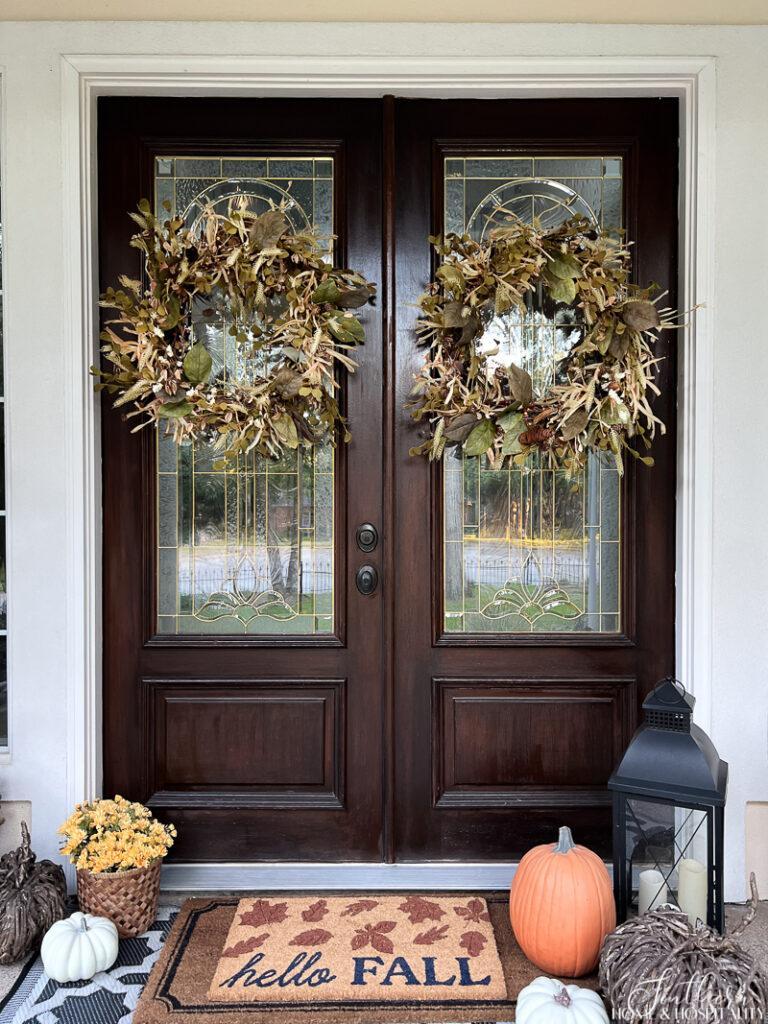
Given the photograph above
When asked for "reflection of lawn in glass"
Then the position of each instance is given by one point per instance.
(538, 587)
(301, 625)
(256, 590)
(482, 595)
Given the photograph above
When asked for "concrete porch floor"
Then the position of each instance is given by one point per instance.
(755, 939)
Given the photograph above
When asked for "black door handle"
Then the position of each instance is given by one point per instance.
(367, 579)
(367, 536)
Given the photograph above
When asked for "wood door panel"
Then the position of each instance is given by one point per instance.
(501, 780)
(500, 743)
(262, 834)
(251, 744)
(186, 740)
(506, 833)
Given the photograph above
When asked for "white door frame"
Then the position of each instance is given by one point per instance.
(86, 77)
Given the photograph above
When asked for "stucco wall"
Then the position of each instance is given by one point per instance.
(30, 57)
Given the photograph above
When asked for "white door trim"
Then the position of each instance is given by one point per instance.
(86, 77)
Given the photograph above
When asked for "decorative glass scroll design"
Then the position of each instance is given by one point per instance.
(249, 550)
(525, 550)
(303, 184)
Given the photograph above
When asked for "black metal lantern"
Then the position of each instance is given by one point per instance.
(668, 813)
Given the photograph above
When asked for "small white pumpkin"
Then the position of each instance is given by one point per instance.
(549, 1001)
(79, 947)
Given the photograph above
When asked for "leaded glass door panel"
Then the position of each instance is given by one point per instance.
(526, 549)
(249, 550)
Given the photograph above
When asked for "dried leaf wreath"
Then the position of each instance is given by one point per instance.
(599, 399)
(287, 308)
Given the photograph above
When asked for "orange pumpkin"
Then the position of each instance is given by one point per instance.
(561, 906)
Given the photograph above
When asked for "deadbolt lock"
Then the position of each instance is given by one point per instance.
(367, 579)
(367, 536)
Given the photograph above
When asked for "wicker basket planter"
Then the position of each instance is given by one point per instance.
(127, 898)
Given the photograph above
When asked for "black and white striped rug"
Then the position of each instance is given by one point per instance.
(108, 998)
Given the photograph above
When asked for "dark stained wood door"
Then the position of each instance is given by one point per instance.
(242, 670)
(509, 720)
(251, 694)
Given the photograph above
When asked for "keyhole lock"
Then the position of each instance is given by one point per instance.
(367, 579)
(367, 536)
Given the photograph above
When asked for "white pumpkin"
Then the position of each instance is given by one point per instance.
(549, 1001)
(79, 947)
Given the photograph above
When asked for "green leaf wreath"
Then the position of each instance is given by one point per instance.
(600, 396)
(289, 311)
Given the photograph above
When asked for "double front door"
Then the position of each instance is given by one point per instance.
(479, 695)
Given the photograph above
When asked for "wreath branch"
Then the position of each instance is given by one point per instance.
(600, 397)
(289, 312)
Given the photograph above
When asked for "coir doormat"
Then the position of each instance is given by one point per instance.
(356, 959)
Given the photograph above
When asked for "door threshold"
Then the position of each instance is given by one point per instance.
(446, 875)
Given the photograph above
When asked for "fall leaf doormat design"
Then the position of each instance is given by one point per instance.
(395, 959)
(372, 948)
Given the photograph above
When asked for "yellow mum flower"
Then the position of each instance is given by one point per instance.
(114, 835)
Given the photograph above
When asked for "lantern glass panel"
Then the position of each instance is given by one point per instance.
(659, 836)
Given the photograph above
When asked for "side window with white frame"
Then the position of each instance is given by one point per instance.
(3, 591)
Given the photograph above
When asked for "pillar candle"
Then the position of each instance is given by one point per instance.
(653, 891)
(692, 890)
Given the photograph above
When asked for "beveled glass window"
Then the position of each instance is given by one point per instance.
(248, 550)
(525, 549)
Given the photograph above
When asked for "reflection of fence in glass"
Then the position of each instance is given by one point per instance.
(530, 549)
(248, 548)
(568, 569)
(262, 573)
